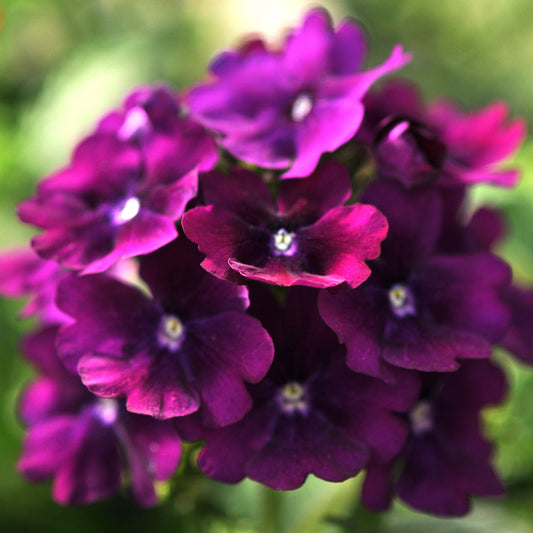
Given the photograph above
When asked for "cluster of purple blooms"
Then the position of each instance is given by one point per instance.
(283, 264)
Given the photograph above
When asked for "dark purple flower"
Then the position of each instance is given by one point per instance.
(124, 188)
(279, 109)
(311, 414)
(84, 442)
(417, 144)
(305, 237)
(466, 232)
(446, 458)
(418, 310)
(188, 348)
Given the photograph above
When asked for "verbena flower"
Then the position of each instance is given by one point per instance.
(304, 237)
(87, 443)
(311, 414)
(285, 108)
(416, 144)
(189, 347)
(418, 309)
(124, 188)
(446, 459)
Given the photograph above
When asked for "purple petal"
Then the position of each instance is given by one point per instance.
(48, 445)
(414, 218)
(357, 319)
(97, 303)
(298, 447)
(465, 292)
(307, 50)
(93, 472)
(343, 239)
(241, 191)
(153, 451)
(307, 200)
(221, 235)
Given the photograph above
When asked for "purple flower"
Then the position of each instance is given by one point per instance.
(446, 458)
(417, 144)
(188, 348)
(24, 273)
(86, 443)
(279, 109)
(124, 189)
(311, 414)
(418, 310)
(305, 237)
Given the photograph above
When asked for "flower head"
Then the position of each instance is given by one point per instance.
(84, 442)
(309, 407)
(305, 237)
(446, 458)
(122, 192)
(419, 309)
(279, 109)
(189, 347)
(417, 144)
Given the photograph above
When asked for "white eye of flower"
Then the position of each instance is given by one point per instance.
(292, 398)
(283, 240)
(129, 210)
(107, 410)
(301, 107)
(170, 334)
(401, 300)
(421, 417)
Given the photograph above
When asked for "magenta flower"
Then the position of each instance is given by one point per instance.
(416, 144)
(279, 109)
(305, 237)
(124, 189)
(188, 348)
(84, 442)
(311, 414)
(24, 274)
(446, 458)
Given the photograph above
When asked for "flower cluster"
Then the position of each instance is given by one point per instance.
(218, 266)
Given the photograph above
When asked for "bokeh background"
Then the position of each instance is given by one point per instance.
(64, 62)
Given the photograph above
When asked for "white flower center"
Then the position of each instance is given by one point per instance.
(301, 107)
(292, 398)
(107, 411)
(401, 300)
(129, 210)
(283, 241)
(170, 334)
(421, 417)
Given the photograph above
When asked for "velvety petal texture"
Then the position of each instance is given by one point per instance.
(311, 414)
(446, 459)
(419, 310)
(125, 187)
(188, 348)
(279, 109)
(86, 443)
(418, 143)
(24, 274)
(305, 237)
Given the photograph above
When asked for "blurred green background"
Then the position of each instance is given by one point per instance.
(64, 62)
